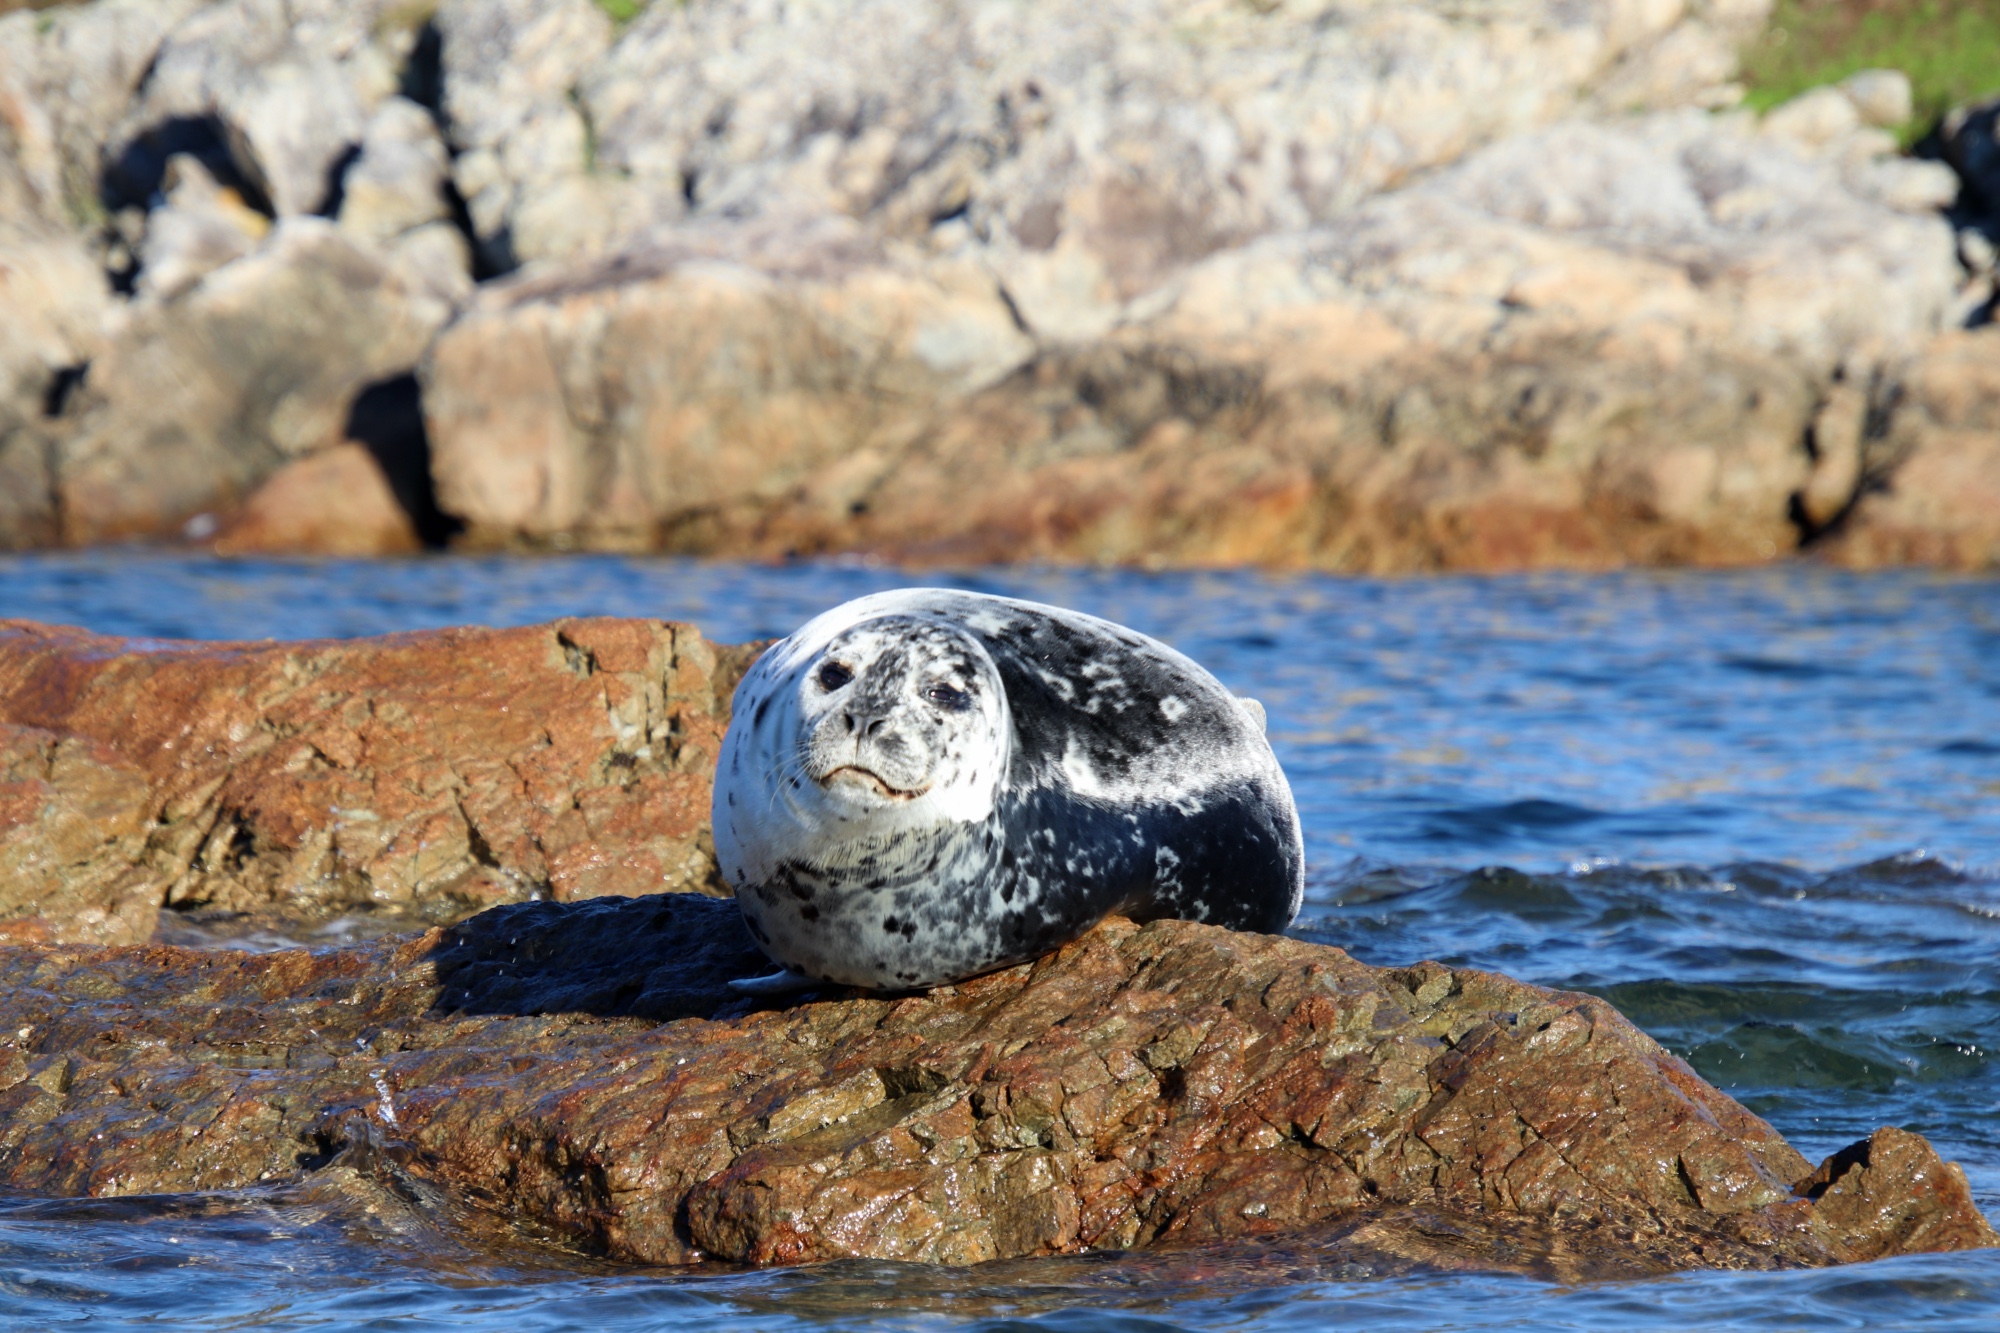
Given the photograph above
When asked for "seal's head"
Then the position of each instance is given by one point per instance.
(900, 721)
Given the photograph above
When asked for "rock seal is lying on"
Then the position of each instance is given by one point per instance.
(581, 1073)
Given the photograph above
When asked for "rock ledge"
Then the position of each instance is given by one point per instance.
(579, 1072)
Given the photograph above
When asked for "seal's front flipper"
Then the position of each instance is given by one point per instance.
(1254, 709)
(786, 982)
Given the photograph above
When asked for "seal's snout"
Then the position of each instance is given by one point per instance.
(863, 725)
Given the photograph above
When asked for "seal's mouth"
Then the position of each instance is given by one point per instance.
(854, 773)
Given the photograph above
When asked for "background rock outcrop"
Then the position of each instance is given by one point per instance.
(1359, 286)
(417, 777)
(579, 1072)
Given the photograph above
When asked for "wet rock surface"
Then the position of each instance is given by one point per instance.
(1358, 286)
(410, 778)
(580, 1074)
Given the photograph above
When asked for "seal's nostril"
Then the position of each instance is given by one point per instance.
(873, 727)
(848, 718)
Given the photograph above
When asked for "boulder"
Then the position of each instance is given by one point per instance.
(201, 394)
(397, 182)
(1586, 345)
(68, 77)
(524, 165)
(1138, 135)
(417, 777)
(291, 88)
(579, 1073)
(338, 501)
(672, 396)
(1883, 97)
(1930, 492)
(200, 226)
(53, 304)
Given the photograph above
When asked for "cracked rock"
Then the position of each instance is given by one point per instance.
(417, 778)
(581, 1072)
(201, 226)
(397, 183)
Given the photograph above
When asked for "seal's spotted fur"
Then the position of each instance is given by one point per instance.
(923, 785)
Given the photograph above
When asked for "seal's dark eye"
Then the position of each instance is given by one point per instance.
(833, 675)
(947, 696)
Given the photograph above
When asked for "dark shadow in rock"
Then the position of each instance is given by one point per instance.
(663, 957)
(336, 182)
(422, 79)
(387, 418)
(492, 256)
(62, 386)
(133, 177)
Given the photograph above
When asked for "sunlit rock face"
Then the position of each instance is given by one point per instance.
(1359, 286)
(582, 1073)
(414, 778)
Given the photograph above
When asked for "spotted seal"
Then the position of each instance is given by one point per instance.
(923, 785)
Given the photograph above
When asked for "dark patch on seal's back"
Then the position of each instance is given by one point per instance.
(1112, 716)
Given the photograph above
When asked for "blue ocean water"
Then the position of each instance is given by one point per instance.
(1759, 811)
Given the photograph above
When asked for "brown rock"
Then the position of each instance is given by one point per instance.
(1889, 1194)
(1590, 345)
(702, 406)
(1934, 493)
(73, 822)
(53, 301)
(431, 774)
(579, 1072)
(623, 403)
(200, 397)
(335, 502)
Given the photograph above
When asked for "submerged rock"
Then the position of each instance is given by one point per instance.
(420, 775)
(580, 1073)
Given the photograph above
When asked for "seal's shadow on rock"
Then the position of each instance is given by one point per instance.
(663, 957)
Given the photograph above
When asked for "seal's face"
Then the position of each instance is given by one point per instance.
(903, 721)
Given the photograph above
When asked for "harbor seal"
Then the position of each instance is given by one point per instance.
(923, 785)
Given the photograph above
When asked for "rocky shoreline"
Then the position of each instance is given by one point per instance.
(574, 1071)
(1360, 287)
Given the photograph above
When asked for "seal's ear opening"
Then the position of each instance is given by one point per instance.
(1255, 710)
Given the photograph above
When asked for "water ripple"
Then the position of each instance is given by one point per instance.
(1754, 810)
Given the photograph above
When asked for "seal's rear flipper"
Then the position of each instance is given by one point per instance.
(786, 982)
(1254, 709)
